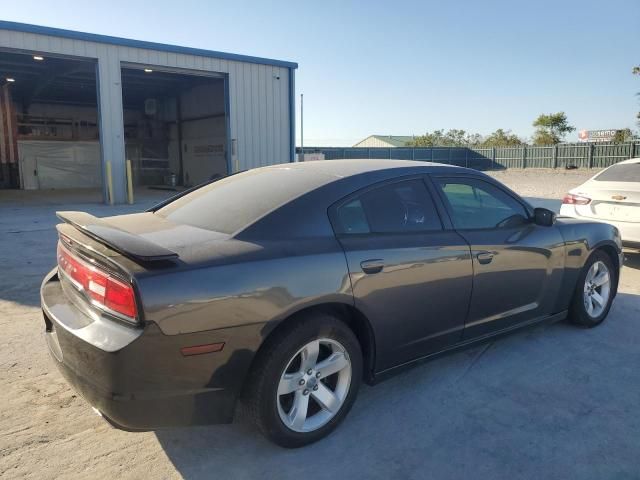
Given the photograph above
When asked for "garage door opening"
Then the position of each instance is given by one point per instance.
(175, 127)
(49, 135)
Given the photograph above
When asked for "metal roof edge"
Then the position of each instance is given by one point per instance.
(125, 42)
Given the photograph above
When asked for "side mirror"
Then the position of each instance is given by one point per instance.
(544, 217)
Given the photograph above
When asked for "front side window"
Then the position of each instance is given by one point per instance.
(475, 204)
(400, 207)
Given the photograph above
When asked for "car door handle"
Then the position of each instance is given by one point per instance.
(484, 257)
(374, 265)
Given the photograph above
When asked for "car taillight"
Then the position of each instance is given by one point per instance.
(571, 199)
(119, 297)
(104, 290)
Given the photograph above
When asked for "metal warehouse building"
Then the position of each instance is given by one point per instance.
(76, 109)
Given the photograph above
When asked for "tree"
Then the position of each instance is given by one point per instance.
(427, 140)
(623, 135)
(501, 138)
(542, 137)
(451, 138)
(551, 128)
(460, 138)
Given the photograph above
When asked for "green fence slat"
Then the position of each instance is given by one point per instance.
(594, 155)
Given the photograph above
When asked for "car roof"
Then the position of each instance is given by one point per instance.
(351, 167)
(631, 160)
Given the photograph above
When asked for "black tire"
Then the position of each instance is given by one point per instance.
(578, 314)
(260, 397)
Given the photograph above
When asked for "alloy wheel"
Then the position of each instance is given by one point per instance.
(314, 385)
(597, 288)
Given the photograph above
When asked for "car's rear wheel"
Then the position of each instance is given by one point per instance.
(594, 291)
(305, 380)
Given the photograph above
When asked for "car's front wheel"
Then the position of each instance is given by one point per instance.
(594, 291)
(305, 380)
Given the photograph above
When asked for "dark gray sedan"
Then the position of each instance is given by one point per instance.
(276, 291)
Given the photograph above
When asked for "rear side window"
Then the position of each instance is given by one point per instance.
(400, 207)
(475, 204)
(627, 172)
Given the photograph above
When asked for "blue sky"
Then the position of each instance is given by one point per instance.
(404, 67)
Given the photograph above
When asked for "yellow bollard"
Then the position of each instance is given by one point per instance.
(129, 183)
(109, 183)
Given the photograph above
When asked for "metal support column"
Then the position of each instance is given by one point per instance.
(111, 123)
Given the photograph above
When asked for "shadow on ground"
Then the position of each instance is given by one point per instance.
(546, 401)
(632, 259)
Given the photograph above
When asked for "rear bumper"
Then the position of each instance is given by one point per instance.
(143, 382)
(135, 412)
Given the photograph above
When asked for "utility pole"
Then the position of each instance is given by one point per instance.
(302, 126)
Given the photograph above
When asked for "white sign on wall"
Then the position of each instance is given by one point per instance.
(597, 135)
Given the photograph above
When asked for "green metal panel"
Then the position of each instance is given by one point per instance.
(539, 157)
(509, 157)
(606, 155)
(571, 155)
(581, 155)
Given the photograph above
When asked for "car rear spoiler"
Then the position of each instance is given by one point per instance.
(126, 243)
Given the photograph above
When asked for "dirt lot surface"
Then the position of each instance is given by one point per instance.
(548, 402)
(543, 183)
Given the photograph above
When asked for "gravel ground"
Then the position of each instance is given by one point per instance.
(548, 402)
(542, 183)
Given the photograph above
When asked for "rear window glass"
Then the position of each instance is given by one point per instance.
(626, 172)
(237, 201)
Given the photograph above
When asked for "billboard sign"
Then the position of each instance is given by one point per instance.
(597, 135)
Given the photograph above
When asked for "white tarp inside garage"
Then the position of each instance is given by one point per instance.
(59, 164)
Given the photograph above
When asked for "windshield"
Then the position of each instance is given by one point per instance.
(624, 172)
(237, 201)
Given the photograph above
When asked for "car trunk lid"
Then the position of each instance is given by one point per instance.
(101, 260)
(148, 239)
(611, 201)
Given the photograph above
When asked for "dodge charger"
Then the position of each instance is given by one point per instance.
(272, 294)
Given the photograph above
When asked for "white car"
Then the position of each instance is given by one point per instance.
(612, 196)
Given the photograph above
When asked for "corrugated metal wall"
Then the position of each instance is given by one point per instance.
(259, 97)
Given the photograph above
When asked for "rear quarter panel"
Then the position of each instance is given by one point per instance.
(581, 239)
(265, 285)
